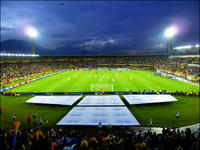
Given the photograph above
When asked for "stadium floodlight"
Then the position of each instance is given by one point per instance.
(183, 47)
(171, 31)
(31, 32)
(24, 55)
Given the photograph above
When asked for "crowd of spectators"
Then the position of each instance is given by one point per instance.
(181, 65)
(10, 71)
(22, 69)
(59, 139)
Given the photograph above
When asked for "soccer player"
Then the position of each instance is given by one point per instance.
(99, 124)
(29, 119)
(109, 127)
(177, 115)
(150, 123)
(14, 116)
(47, 122)
(41, 121)
(34, 119)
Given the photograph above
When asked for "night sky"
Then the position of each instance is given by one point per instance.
(102, 27)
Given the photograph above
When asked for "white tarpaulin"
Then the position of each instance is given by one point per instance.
(147, 99)
(115, 116)
(101, 101)
(56, 100)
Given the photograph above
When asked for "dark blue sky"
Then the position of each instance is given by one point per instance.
(101, 27)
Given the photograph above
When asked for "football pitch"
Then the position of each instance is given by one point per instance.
(163, 115)
(106, 80)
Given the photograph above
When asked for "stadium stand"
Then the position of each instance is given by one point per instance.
(59, 139)
(23, 69)
(13, 69)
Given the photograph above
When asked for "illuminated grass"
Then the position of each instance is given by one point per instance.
(163, 115)
(80, 81)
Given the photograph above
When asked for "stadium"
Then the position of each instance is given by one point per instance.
(100, 101)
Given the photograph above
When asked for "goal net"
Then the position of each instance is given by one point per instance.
(101, 87)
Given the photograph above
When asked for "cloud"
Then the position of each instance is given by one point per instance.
(90, 26)
(94, 43)
(158, 46)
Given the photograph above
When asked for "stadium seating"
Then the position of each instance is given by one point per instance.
(23, 69)
(106, 139)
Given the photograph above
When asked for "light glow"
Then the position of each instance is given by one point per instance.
(197, 45)
(171, 31)
(183, 47)
(19, 55)
(31, 32)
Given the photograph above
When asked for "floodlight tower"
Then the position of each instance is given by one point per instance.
(169, 33)
(31, 32)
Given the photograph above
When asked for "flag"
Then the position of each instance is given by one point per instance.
(37, 135)
(16, 126)
(53, 144)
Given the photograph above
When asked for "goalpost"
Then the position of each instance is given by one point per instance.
(100, 87)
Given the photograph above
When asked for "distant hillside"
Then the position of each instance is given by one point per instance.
(23, 46)
(19, 46)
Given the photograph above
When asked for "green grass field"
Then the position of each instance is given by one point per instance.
(80, 81)
(163, 115)
(11, 104)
